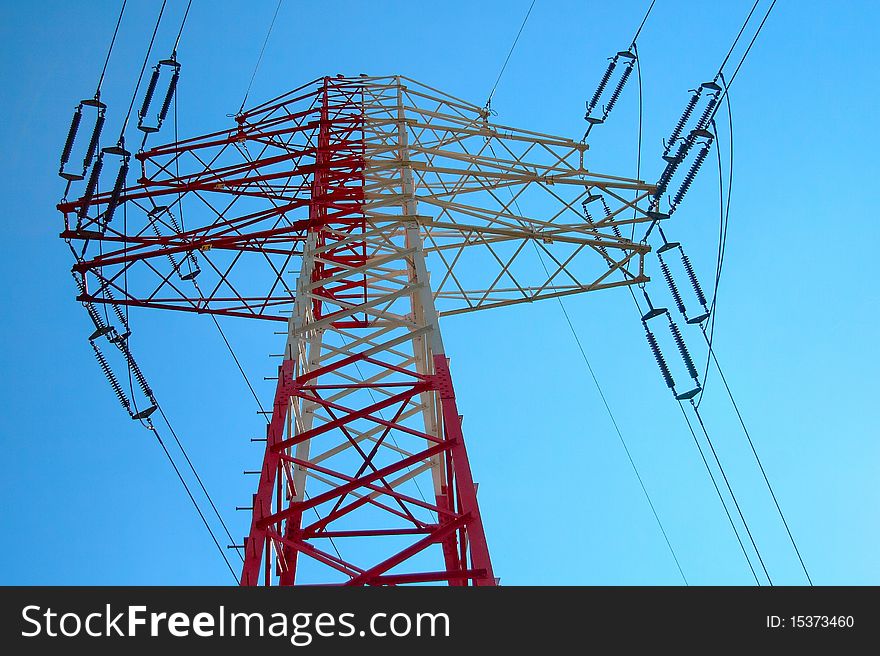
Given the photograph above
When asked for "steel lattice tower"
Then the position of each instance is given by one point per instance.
(397, 204)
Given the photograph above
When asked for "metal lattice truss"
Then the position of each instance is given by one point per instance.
(327, 208)
(501, 209)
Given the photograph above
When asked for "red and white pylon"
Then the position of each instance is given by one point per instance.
(364, 185)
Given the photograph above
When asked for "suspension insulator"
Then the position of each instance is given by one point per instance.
(91, 185)
(682, 349)
(691, 174)
(169, 95)
(195, 270)
(587, 214)
(669, 171)
(148, 96)
(602, 84)
(93, 141)
(698, 290)
(614, 228)
(101, 328)
(686, 114)
(617, 90)
(111, 378)
(703, 123)
(136, 370)
(658, 356)
(108, 292)
(673, 288)
(152, 216)
(71, 136)
(113, 203)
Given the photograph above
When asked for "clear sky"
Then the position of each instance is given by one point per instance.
(87, 495)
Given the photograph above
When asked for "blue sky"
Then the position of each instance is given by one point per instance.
(88, 497)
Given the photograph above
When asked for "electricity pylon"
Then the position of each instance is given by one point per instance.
(358, 211)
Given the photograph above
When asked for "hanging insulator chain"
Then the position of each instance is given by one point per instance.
(673, 288)
(153, 217)
(703, 123)
(169, 95)
(111, 377)
(148, 95)
(614, 227)
(618, 89)
(171, 259)
(669, 171)
(166, 101)
(594, 101)
(72, 133)
(136, 370)
(587, 214)
(93, 141)
(685, 116)
(698, 290)
(108, 293)
(113, 203)
(71, 137)
(91, 185)
(691, 174)
(682, 349)
(658, 356)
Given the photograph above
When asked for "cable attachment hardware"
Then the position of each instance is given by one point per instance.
(603, 84)
(653, 313)
(658, 356)
(71, 138)
(594, 101)
(618, 89)
(174, 66)
(700, 130)
(592, 198)
(692, 276)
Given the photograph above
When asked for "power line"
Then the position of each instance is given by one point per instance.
(260, 58)
(709, 469)
(195, 473)
(110, 50)
(732, 495)
(194, 502)
(742, 546)
(617, 430)
(745, 54)
(739, 34)
(761, 466)
(510, 52)
(180, 31)
(711, 355)
(639, 146)
(644, 20)
(751, 43)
